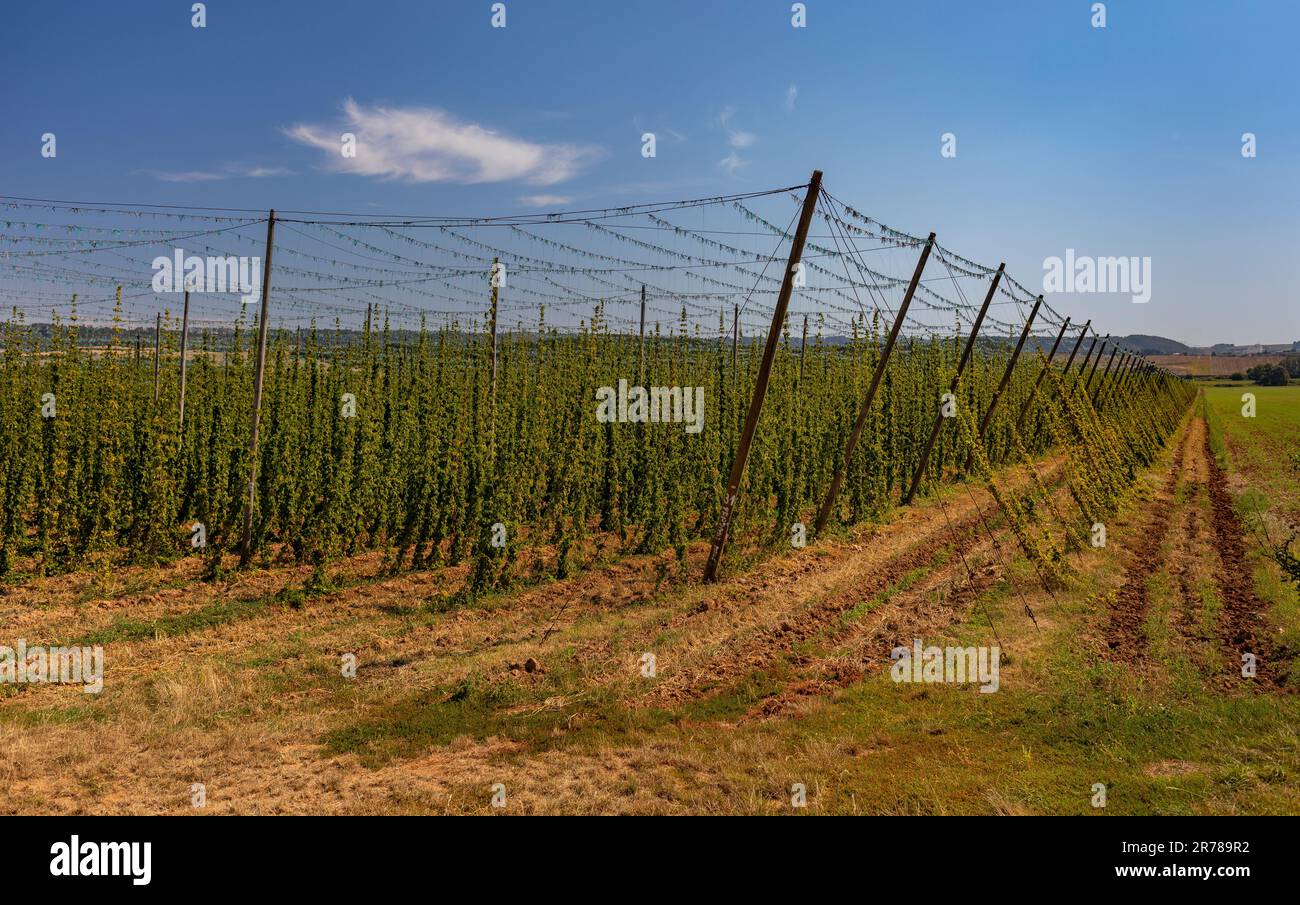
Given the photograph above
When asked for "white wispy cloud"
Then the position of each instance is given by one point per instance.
(228, 171)
(741, 139)
(187, 176)
(545, 200)
(639, 124)
(262, 172)
(737, 140)
(791, 95)
(732, 163)
(424, 144)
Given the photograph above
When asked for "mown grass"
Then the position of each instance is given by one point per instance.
(560, 711)
(220, 612)
(1262, 448)
(952, 750)
(1265, 451)
(1066, 719)
(125, 628)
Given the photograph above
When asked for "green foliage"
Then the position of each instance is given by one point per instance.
(1269, 375)
(435, 457)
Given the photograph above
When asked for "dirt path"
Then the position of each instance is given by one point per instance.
(1241, 626)
(1193, 542)
(1126, 637)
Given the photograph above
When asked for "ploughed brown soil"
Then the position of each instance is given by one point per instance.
(1242, 619)
(1125, 635)
(1192, 534)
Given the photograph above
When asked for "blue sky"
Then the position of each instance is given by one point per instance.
(1117, 141)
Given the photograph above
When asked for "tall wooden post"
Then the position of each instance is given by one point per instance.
(1033, 391)
(1139, 373)
(1101, 384)
(1101, 350)
(1084, 366)
(824, 514)
(1106, 389)
(735, 338)
(961, 366)
(1121, 379)
(1129, 367)
(259, 373)
(803, 348)
(157, 352)
(492, 326)
(1134, 365)
(185, 336)
(1083, 333)
(764, 374)
(1064, 372)
(1006, 378)
(640, 368)
(1087, 387)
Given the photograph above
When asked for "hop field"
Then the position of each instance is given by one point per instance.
(460, 553)
(397, 442)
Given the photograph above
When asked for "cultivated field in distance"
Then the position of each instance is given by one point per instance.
(1212, 365)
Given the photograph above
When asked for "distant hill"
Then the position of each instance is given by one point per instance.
(1153, 345)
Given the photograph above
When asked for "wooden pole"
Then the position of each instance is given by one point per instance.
(492, 323)
(1129, 364)
(1120, 381)
(1101, 384)
(1083, 367)
(157, 351)
(735, 338)
(1101, 350)
(185, 336)
(640, 368)
(1134, 369)
(764, 374)
(1077, 343)
(1033, 391)
(1133, 372)
(803, 348)
(1064, 372)
(961, 366)
(1105, 388)
(824, 514)
(1006, 378)
(1138, 371)
(259, 373)
(1087, 387)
